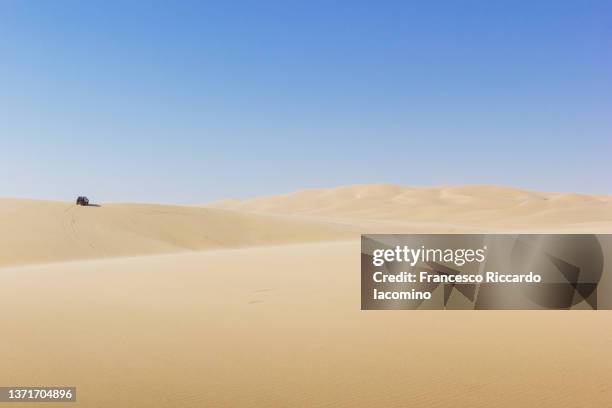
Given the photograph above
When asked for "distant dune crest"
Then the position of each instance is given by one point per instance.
(45, 231)
(463, 204)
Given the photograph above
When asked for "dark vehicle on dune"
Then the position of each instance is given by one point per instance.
(81, 200)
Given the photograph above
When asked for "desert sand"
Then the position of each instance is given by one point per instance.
(256, 303)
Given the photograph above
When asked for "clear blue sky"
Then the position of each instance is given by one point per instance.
(191, 102)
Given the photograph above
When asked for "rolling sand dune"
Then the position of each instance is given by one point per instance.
(281, 326)
(44, 231)
(260, 312)
(468, 206)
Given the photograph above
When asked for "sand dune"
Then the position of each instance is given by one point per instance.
(44, 231)
(262, 312)
(469, 205)
(281, 326)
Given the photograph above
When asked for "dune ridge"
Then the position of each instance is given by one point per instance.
(472, 205)
(38, 232)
